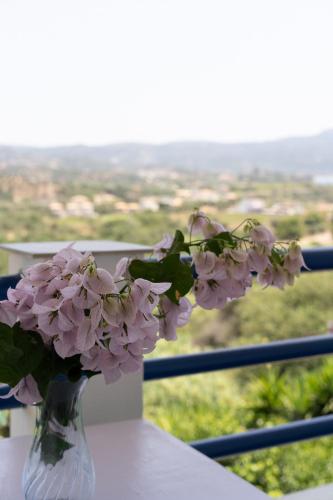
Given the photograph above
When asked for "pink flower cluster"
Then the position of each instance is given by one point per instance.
(111, 321)
(227, 275)
(78, 308)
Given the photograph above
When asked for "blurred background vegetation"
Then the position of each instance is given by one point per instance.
(232, 401)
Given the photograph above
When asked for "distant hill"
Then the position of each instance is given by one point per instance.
(295, 154)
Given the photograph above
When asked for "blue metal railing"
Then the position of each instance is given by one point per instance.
(259, 439)
(10, 403)
(223, 359)
(318, 259)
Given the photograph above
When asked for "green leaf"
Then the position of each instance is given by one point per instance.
(32, 346)
(213, 246)
(219, 242)
(53, 447)
(226, 237)
(178, 244)
(23, 352)
(20, 353)
(277, 257)
(171, 269)
(9, 357)
(52, 365)
(44, 372)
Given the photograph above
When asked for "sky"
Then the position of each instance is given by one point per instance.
(104, 71)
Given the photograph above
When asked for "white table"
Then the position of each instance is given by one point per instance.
(320, 493)
(135, 460)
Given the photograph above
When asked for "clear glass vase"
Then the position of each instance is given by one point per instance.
(59, 465)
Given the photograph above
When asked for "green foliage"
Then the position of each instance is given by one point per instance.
(53, 447)
(214, 404)
(288, 392)
(288, 228)
(23, 353)
(171, 270)
(20, 353)
(314, 223)
(272, 314)
(52, 365)
(178, 244)
(143, 227)
(4, 423)
(194, 407)
(286, 469)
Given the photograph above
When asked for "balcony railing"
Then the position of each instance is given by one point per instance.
(318, 259)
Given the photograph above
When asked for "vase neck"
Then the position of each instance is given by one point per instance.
(63, 400)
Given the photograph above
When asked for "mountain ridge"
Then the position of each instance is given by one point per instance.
(301, 154)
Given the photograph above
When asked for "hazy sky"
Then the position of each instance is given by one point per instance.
(100, 71)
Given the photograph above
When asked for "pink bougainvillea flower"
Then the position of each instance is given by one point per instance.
(145, 293)
(26, 391)
(86, 335)
(99, 281)
(238, 267)
(127, 309)
(132, 364)
(161, 248)
(209, 267)
(205, 262)
(108, 364)
(172, 316)
(86, 299)
(274, 276)
(111, 310)
(258, 261)
(200, 223)
(70, 260)
(197, 221)
(294, 261)
(121, 269)
(64, 344)
(212, 228)
(40, 272)
(262, 236)
(8, 313)
(210, 294)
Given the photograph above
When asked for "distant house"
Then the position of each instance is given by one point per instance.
(199, 195)
(249, 205)
(104, 199)
(126, 207)
(149, 203)
(57, 208)
(80, 206)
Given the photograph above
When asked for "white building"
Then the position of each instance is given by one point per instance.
(80, 206)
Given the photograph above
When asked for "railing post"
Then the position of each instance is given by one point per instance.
(101, 403)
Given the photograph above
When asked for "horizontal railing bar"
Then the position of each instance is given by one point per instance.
(318, 259)
(6, 282)
(258, 439)
(10, 403)
(223, 359)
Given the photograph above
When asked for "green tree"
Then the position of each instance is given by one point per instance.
(314, 223)
(288, 228)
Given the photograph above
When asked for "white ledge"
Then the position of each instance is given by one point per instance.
(46, 248)
(134, 460)
(320, 493)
